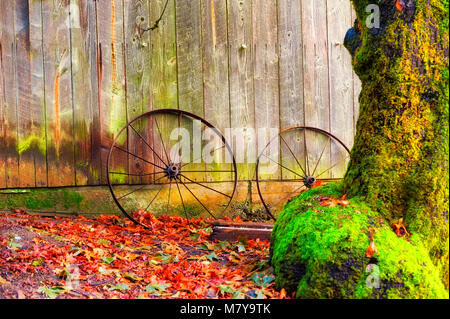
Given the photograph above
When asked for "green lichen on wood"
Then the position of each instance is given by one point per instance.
(319, 252)
(399, 161)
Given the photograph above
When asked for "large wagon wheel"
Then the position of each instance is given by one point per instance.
(300, 157)
(171, 162)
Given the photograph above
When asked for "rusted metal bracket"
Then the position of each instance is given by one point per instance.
(232, 231)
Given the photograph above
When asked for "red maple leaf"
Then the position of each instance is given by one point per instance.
(400, 5)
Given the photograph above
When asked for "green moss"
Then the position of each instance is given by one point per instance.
(72, 199)
(38, 199)
(319, 252)
(399, 161)
(33, 141)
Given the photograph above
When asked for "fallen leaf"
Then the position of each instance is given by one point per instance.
(131, 277)
(371, 249)
(400, 5)
(400, 229)
(3, 281)
(120, 287)
(317, 183)
(332, 202)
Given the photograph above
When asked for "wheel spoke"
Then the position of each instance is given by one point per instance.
(201, 157)
(168, 199)
(139, 188)
(151, 186)
(220, 171)
(293, 155)
(146, 174)
(205, 186)
(197, 199)
(282, 166)
(153, 199)
(340, 161)
(143, 159)
(151, 148)
(162, 141)
(315, 167)
(306, 152)
(182, 201)
(288, 195)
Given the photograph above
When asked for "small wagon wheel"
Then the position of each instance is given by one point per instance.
(171, 162)
(299, 158)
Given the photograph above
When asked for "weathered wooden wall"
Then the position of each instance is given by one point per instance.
(72, 72)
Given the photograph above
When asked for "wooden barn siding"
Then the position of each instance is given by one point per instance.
(72, 72)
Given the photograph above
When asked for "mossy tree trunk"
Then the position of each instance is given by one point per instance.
(399, 161)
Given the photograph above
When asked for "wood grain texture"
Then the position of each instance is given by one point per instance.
(265, 73)
(85, 90)
(26, 128)
(189, 56)
(340, 82)
(69, 83)
(215, 77)
(112, 94)
(37, 110)
(138, 93)
(291, 85)
(8, 77)
(316, 86)
(190, 66)
(2, 117)
(215, 63)
(163, 52)
(58, 93)
(163, 76)
(242, 105)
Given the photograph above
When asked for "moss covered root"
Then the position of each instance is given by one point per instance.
(320, 252)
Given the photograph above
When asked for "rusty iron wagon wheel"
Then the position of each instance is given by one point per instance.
(171, 162)
(298, 158)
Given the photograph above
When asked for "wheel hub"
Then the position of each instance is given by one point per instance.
(172, 171)
(309, 181)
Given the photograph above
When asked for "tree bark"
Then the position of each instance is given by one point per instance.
(399, 161)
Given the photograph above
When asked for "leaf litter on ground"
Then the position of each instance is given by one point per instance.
(110, 257)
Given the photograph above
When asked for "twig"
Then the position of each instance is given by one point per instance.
(156, 24)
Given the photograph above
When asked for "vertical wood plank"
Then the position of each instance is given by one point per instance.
(242, 107)
(163, 56)
(215, 76)
(265, 72)
(85, 90)
(316, 91)
(163, 77)
(189, 56)
(112, 101)
(38, 130)
(137, 60)
(9, 86)
(26, 141)
(341, 82)
(2, 117)
(58, 93)
(215, 62)
(189, 65)
(291, 84)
